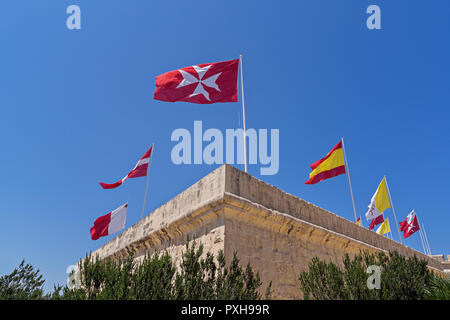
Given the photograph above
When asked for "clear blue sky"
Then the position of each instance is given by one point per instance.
(77, 108)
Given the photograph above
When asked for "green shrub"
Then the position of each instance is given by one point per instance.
(156, 277)
(24, 283)
(402, 278)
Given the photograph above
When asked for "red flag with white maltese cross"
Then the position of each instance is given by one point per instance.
(140, 170)
(204, 83)
(410, 225)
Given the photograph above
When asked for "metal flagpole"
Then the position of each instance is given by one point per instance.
(426, 239)
(393, 210)
(421, 240)
(243, 114)
(420, 234)
(348, 176)
(148, 178)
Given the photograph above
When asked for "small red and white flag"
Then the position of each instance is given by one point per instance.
(410, 225)
(376, 221)
(204, 83)
(110, 223)
(140, 170)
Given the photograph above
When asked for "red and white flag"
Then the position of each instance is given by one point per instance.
(410, 225)
(110, 223)
(140, 170)
(376, 221)
(204, 83)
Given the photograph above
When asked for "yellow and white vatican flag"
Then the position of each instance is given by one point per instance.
(384, 227)
(380, 201)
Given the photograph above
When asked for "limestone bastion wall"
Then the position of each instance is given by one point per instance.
(276, 232)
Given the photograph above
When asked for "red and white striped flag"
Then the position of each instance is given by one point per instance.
(110, 223)
(140, 170)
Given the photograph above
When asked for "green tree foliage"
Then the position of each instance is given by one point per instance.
(439, 289)
(156, 277)
(122, 280)
(24, 283)
(202, 279)
(402, 278)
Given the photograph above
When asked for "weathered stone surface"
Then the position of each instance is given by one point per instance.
(276, 232)
(193, 213)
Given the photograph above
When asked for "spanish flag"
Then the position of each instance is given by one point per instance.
(330, 166)
(358, 222)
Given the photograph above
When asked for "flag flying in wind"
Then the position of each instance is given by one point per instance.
(358, 222)
(140, 170)
(330, 166)
(410, 225)
(204, 83)
(376, 221)
(110, 223)
(380, 201)
(384, 227)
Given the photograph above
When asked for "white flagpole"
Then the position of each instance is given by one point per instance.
(426, 239)
(393, 210)
(148, 178)
(349, 181)
(421, 240)
(243, 114)
(421, 235)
